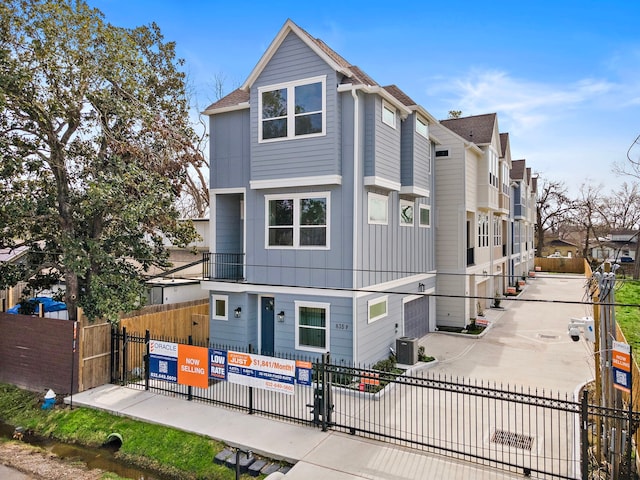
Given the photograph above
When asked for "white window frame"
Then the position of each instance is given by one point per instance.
(386, 106)
(377, 301)
(412, 205)
(296, 197)
(327, 327)
(376, 196)
(214, 299)
(427, 208)
(422, 127)
(291, 103)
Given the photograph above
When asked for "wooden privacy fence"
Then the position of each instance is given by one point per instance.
(561, 265)
(176, 320)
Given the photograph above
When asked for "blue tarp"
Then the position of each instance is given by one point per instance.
(50, 305)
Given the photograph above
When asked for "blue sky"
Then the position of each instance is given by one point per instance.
(563, 76)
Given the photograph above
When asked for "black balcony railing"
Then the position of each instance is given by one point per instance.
(223, 266)
(470, 256)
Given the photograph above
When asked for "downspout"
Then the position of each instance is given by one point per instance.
(356, 192)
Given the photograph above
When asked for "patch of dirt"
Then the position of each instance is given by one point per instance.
(43, 465)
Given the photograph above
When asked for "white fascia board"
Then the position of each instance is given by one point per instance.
(232, 287)
(388, 286)
(382, 183)
(296, 182)
(289, 26)
(415, 191)
(223, 191)
(232, 108)
(404, 111)
(421, 110)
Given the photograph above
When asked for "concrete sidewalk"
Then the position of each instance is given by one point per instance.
(315, 454)
(527, 344)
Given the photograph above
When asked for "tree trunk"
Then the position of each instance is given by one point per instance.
(71, 294)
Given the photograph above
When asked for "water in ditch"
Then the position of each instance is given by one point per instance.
(94, 458)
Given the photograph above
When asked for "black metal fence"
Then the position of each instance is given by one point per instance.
(520, 430)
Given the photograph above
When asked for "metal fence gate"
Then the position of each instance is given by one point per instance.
(530, 432)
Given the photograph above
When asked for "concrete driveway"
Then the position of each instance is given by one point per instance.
(527, 343)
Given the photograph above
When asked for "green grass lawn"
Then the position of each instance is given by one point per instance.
(169, 451)
(628, 291)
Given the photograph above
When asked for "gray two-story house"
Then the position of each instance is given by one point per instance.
(321, 209)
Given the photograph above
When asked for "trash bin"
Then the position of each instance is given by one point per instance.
(407, 350)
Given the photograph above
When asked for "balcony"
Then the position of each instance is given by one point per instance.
(223, 266)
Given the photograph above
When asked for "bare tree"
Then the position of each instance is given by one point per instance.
(552, 208)
(588, 213)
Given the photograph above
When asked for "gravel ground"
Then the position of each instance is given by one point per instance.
(42, 465)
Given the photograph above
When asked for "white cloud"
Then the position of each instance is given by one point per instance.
(526, 103)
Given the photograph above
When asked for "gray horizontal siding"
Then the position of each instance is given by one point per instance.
(300, 157)
(229, 149)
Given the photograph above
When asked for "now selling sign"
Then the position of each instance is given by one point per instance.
(621, 363)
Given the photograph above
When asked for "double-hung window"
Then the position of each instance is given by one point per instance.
(297, 221)
(292, 109)
(312, 326)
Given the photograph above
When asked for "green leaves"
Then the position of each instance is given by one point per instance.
(95, 143)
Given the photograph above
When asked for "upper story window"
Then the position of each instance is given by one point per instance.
(422, 127)
(378, 207)
(292, 110)
(425, 216)
(298, 221)
(388, 114)
(493, 168)
(483, 230)
(406, 213)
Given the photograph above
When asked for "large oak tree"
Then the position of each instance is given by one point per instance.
(95, 146)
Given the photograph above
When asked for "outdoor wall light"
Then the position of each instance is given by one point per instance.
(421, 287)
(281, 316)
(237, 312)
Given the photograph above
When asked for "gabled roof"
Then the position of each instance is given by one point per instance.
(352, 75)
(338, 63)
(517, 169)
(477, 129)
(408, 101)
(229, 102)
(504, 143)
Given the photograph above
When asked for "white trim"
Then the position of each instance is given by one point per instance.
(223, 191)
(296, 197)
(398, 284)
(384, 299)
(231, 108)
(424, 207)
(415, 191)
(327, 326)
(296, 182)
(407, 203)
(376, 181)
(289, 26)
(385, 198)
(386, 106)
(234, 287)
(291, 104)
(355, 248)
(213, 300)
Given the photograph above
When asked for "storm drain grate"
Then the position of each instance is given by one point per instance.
(512, 439)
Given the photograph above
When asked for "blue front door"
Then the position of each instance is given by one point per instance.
(267, 325)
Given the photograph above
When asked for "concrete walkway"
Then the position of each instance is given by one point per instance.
(527, 344)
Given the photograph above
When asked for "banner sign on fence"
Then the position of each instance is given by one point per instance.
(268, 373)
(163, 361)
(303, 373)
(217, 364)
(621, 363)
(193, 366)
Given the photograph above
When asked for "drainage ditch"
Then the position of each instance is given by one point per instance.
(102, 458)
